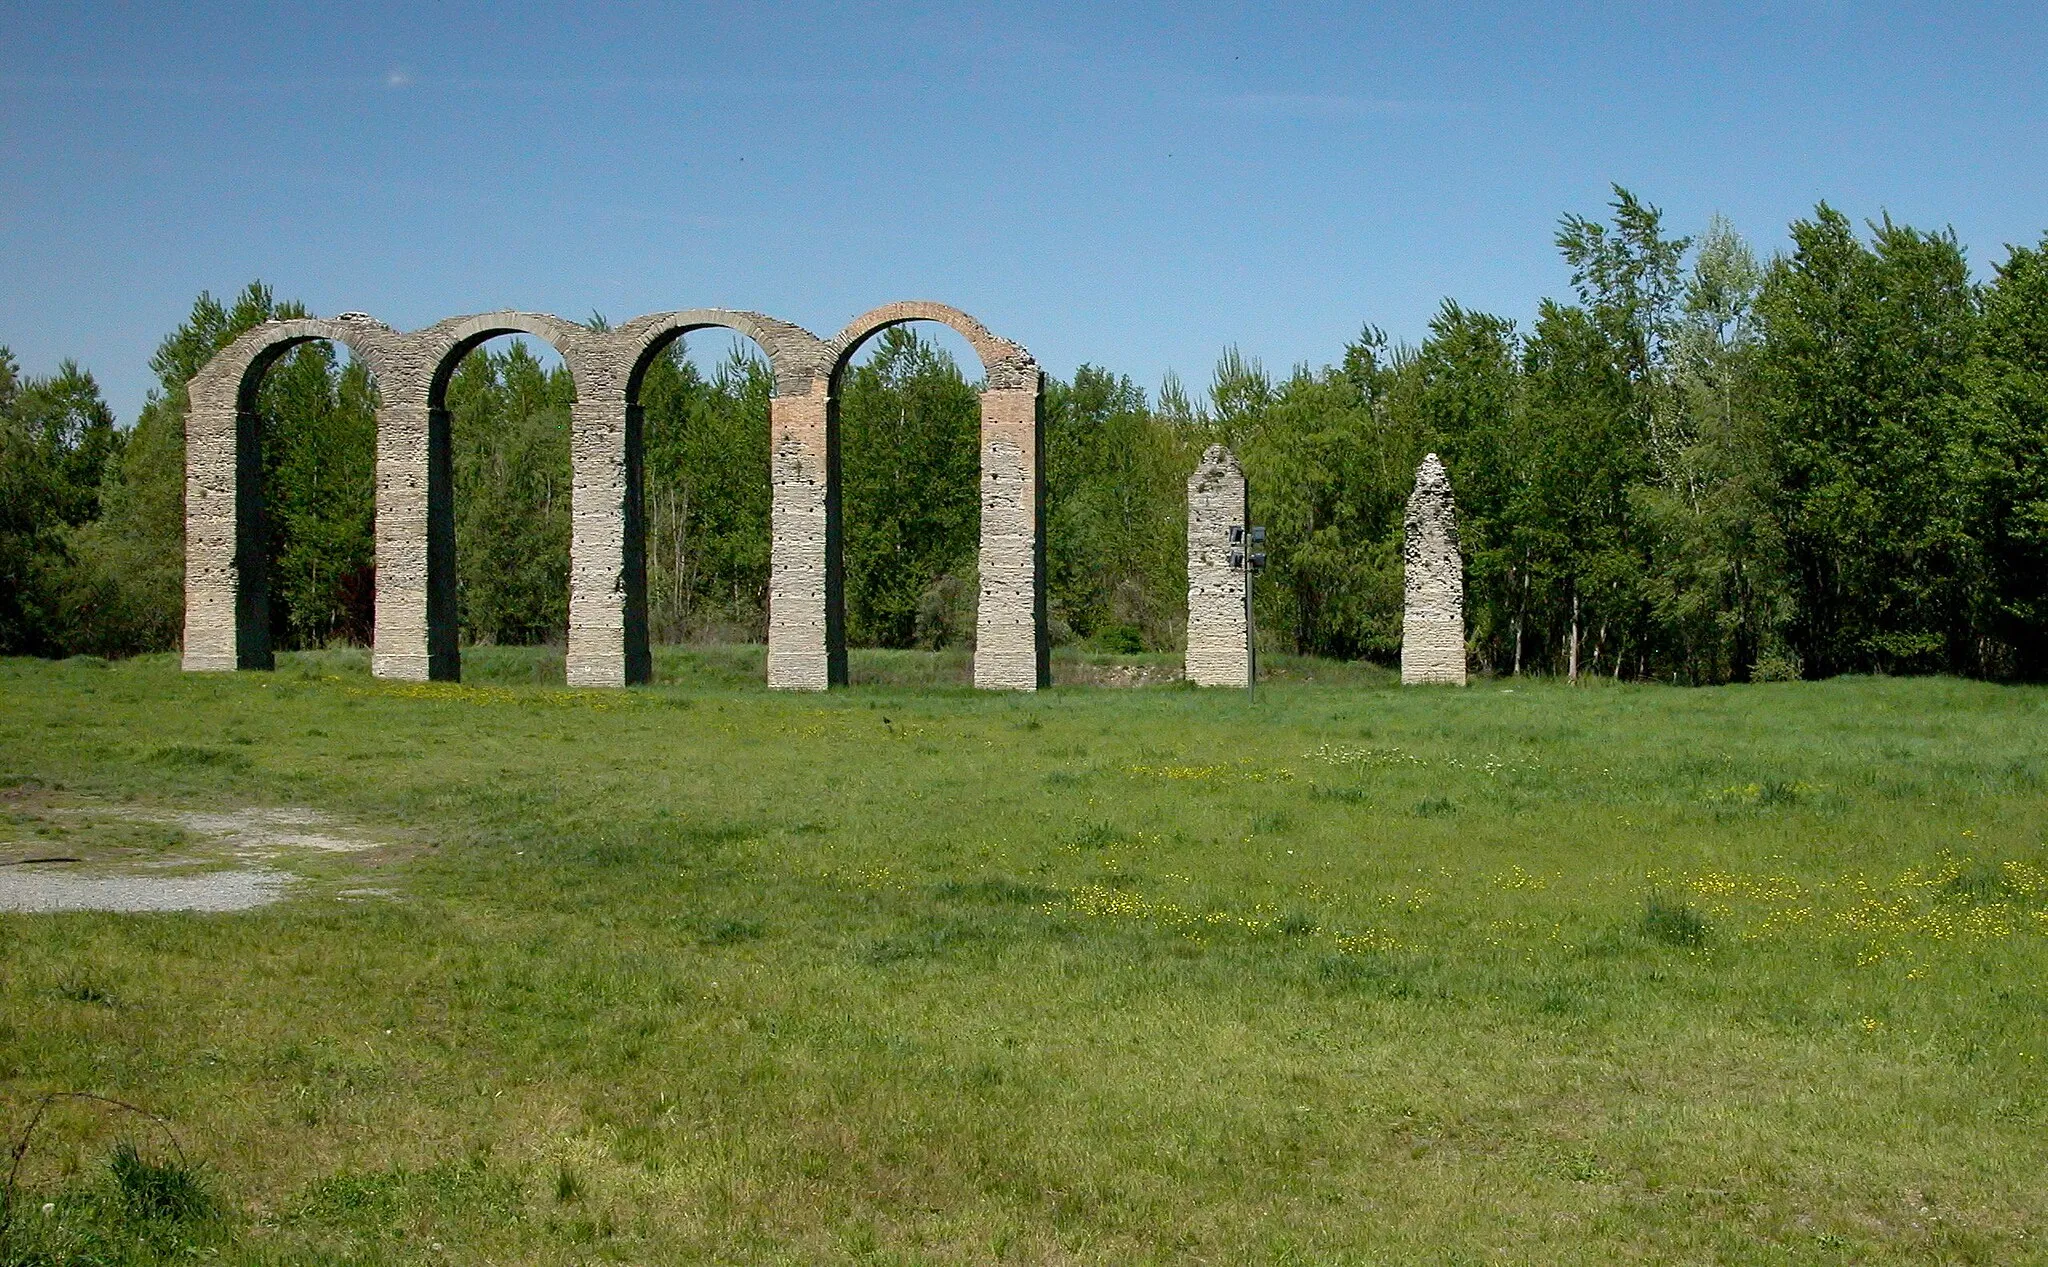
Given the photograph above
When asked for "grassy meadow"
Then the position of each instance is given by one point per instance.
(1339, 973)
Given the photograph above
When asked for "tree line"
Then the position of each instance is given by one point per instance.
(1701, 467)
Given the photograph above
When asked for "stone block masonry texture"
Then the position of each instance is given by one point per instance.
(1433, 617)
(1219, 629)
(227, 592)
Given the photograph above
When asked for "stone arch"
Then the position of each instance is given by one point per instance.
(608, 643)
(796, 356)
(416, 487)
(445, 343)
(1011, 650)
(1006, 365)
(227, 583)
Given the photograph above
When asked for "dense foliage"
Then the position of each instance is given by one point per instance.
(1702, 467)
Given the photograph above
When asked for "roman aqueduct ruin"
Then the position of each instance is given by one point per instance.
(227, 623)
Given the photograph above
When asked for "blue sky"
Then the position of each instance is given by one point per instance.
(1134, 186)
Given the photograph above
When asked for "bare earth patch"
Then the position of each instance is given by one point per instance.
(84, 856)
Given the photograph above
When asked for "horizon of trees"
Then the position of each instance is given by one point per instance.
(1702, 467)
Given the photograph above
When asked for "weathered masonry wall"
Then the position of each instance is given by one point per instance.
(1433, 618)
(1219, 628)
(227, 592)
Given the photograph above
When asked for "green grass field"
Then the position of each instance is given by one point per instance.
(903, 974)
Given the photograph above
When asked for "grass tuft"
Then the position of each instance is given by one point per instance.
(185, 756)
(168, 1191)
(1780, 792)
(1298, 924)
(568, 1185)
(731, 931)
(85, 990)
(1979, 882)
(1673, 922)
(995, 891)
(1096, 836)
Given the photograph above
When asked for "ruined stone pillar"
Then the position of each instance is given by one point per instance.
(226, 624)
(1433, 620)
(806, 638)
(1219, 628)
(1010, 648)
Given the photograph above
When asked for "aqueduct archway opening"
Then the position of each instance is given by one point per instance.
(699, 409)
(507, 402)
(417, 550)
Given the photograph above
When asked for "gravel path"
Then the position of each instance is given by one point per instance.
(49, 888)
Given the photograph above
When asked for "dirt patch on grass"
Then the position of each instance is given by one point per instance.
(70, 854)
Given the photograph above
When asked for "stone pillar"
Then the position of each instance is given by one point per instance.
(607, 570)
(1010, 648)
(1219, 629)
(411, 486)
(1433, 621)
(218, 518)
(806, 639)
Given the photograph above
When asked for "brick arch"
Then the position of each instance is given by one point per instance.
(251, 355)
(227, 583)
(1011, 649)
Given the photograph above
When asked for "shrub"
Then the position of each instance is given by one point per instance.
(1120, 639)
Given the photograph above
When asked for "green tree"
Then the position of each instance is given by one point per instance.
(2006, 429)
(910, 456)
(1570, 509)
(1330, 468)
(707, 496)
(57, 437)
(1116, 557)
(127, 592)
(31, 496)
(1861, 378)
(1629, 278)
(1716, 578)
(509, 428)
(67, 419)
(319, 475)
